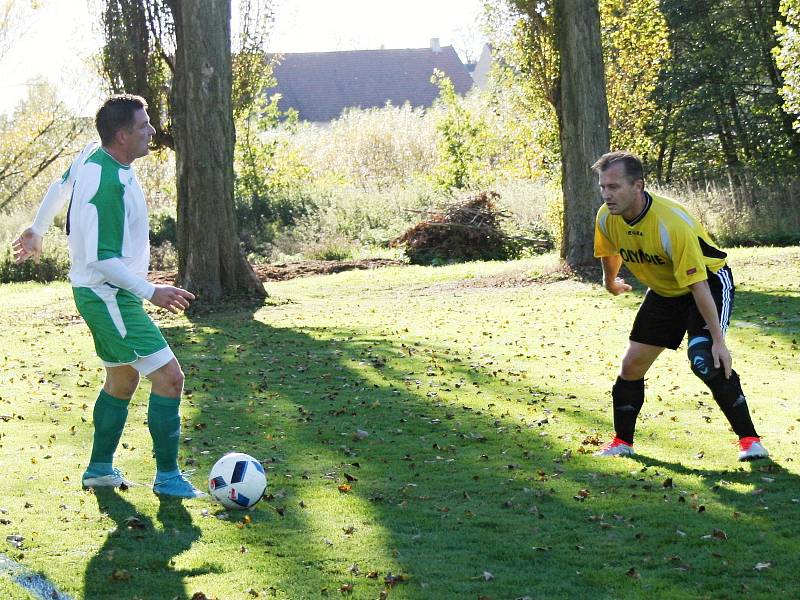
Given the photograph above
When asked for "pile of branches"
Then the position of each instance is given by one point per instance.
(469, 230)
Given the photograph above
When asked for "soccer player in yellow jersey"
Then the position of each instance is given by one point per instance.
(690, 290)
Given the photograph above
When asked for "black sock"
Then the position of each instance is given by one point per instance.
(730, 398)
(628, 397)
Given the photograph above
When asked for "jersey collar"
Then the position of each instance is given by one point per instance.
(648, 201)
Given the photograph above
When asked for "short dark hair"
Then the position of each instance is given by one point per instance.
(117, 113)
(631, 162)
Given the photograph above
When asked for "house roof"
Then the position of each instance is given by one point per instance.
(320, 85)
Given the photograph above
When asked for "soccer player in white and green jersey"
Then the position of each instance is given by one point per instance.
(108, 235)
(690, 291)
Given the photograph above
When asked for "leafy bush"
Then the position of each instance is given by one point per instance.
(53, 265)
(163, 228)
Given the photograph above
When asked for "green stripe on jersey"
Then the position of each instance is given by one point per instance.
(110, 204)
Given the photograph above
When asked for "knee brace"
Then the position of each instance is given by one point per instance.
(701, 360)
(726, 391)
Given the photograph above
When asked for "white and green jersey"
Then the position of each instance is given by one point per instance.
(107, 219)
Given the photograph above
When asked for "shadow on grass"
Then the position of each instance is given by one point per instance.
(465, 500)
(135, 561)
(775, 314)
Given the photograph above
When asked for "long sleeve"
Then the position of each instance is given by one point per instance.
(115, 271)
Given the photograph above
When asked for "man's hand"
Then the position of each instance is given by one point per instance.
(721, 355)
(617, 286)
(174, 299)
(27, 245)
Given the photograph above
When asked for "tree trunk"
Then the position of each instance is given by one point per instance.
(583, 123)
(211, 263)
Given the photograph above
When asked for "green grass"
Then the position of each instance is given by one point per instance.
(482, 402)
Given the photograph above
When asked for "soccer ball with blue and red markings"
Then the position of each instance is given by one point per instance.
(237, 480)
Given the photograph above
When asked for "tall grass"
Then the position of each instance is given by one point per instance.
(735, 217)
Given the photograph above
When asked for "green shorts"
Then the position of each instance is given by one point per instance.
(123, 333)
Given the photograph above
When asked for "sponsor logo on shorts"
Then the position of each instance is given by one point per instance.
(692, 271)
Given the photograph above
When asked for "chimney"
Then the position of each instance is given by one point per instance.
(435, 47)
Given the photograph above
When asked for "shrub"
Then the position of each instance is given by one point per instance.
(53, 265)
(163, 228)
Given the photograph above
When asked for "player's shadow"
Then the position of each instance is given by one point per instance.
(135, 548)
(727, 484)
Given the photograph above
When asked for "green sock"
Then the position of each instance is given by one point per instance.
(109, 417)
(165, 429)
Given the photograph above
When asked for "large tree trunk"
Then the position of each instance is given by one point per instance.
(583, 123)
(211, 263)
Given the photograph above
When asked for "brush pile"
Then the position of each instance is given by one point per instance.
(468, 230)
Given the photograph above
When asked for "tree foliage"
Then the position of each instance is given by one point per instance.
(462, 140)
(36, 135)
(787, 56)
(634, 35)
(720, 111)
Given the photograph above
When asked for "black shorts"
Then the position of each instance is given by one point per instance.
(663, 321)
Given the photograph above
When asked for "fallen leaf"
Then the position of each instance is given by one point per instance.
(134, 523)
(392, 580)
(581, 495)
(122, 575)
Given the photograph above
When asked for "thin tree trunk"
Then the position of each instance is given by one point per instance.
(583, 123)
(211, 263)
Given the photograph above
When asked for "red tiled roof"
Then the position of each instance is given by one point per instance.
(319, 85)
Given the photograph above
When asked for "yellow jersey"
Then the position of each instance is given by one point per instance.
(665, 247)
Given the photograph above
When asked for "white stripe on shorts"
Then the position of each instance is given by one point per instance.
(147, 364)
(724, 276)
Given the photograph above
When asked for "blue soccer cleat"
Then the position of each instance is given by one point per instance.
(174, 483)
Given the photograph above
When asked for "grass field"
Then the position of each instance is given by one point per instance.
(427, 434)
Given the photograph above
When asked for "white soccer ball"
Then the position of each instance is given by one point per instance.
(237, 481)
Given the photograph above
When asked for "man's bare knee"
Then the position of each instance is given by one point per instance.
(168, 380)
(121, 382)
(638, 359)
(633, 369)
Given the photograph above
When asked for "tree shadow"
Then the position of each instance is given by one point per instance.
(426, 482)
(771, 312)
(136, 559)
